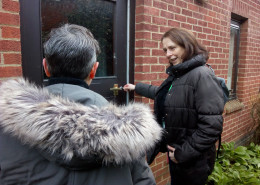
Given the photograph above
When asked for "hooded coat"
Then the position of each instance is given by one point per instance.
(189, 104)
(47, 139)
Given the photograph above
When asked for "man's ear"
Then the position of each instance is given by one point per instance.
(45, 66)
(93, 70)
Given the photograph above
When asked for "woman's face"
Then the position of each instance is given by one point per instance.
(172, 51)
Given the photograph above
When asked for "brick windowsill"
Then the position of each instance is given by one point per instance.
(233, 105)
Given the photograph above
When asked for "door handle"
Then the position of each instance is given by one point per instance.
(115, 89)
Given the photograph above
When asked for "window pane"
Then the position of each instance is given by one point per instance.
(96, 15)
(233, 59)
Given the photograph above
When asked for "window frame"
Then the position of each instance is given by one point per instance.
(236, 21)
(235, 25)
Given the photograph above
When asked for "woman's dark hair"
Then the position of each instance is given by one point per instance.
(187, 40)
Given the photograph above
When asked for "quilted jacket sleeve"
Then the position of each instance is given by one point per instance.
(146, 90)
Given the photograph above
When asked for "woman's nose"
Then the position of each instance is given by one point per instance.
(168, 53)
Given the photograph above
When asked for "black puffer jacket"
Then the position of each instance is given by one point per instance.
(192, 109)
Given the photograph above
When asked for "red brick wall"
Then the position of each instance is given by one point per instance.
(211, 25)
(10, 46)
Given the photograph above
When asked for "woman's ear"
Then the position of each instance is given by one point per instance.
(45, 67)
(93, 70)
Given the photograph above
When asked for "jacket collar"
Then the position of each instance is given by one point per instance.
(72, 81)
(72, 130)
(182, 68)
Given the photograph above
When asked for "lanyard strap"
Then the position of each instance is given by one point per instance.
(170, 88)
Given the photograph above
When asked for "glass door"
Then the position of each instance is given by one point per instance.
(106, 19)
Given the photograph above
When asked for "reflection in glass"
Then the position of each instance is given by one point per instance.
(233, 59)
(96, 15)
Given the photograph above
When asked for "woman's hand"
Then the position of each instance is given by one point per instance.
(171, 153)
(129, 87)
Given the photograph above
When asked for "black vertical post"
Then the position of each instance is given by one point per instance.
(30, 20)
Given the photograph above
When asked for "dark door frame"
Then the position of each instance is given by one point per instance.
(31, 42)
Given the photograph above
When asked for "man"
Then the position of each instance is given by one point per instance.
(46, 140)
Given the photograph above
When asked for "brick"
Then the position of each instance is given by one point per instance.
(9, 19)
(147, 44)
(139, 10)
(212, 13)
(156, 36)
(6, 72)
(157, 52)
(167, 14)
(186, 26)
(174, 23)
(207, 30)
(215, 21)
(191, 20)
(163, 60)
(180, 18)
(208, 19)
(12, 58)
(161, 171)
(143, 18)
(159, 21)
(161, 157)
(142, 35)
(146, 60)
(174, 9)
(144, 2)
(146, 76)
(202, 23)
(158, 178)
(215, 44)
(215, 32)
(211, 25)
(201, 36)
(151, 11)
(181, 4)
(8, 45)
(157, 68)
(194, 8)
(160, 5)
(142, 68)
(224, 23)
(10, 32)
(197, 28)
(186, 12)
(197, 15)
(156, 167)
(168, 1)
(10, 5)
(145, 52)
(146, 27)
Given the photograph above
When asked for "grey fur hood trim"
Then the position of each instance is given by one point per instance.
(40, 119)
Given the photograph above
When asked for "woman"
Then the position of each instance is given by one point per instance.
(189, 105)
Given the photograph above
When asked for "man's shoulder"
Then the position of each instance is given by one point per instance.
(78, 94)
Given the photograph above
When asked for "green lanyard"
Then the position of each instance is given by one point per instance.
(170, 88)
(163, 122)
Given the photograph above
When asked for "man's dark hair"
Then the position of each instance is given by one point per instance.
(71, 51)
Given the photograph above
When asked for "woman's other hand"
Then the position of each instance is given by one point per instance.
(171, 153)
(129, 87)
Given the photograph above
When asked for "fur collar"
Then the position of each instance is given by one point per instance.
(40, 119)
